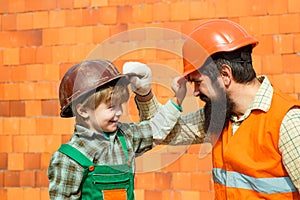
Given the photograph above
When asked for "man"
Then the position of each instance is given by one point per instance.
(254, 127)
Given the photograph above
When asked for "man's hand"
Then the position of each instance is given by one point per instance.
(140, 76)
(179, 88)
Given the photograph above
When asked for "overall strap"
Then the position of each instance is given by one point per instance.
(75, 154)
(124, 146)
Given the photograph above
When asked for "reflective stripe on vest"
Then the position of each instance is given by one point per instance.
(261, 185)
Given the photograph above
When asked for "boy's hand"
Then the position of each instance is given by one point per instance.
(179, 88)
(140, 77)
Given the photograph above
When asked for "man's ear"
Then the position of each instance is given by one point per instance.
(82, 111)
(226, 74)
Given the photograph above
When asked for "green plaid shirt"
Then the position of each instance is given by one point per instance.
(189, 128)
(65, 175)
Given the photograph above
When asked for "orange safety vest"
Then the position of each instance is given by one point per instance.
(248, 164)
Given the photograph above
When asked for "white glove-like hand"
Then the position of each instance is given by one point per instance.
(179, 88)
(140, 77)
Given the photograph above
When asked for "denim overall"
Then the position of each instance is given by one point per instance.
(104, 182)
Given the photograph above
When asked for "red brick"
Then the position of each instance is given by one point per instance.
(44, 54)
(11, 56)
(207, 195)
(27, 178)
(32, 193)
(27, 55)
(1, 180)
(170, 162)
(40, 19)
(44, 193)
(11, 126)
(3, 193)
(188, 162)
(142, 13)
(284, 43)
(84, 35)
(5, 143)
(33, 37)
(96, 3)
(27, 92)
(51, 72)
(150, 195)
(12, 178)
(15, 193)
(50, 36)
(81, 3)
(272, 64)
(45, 160)
(33, 108)
(63, 68)
(44, 125)
(265, 22)
(163, 181)
(5, 74)
(4, 6)
(124, 14)
(41, 178)
(289, 63)
(121, 28)
(4, 161)
(4, 108)
(9, 22)
(201, 181)
(108, 15)
(16, 161)
(293, 6)
(20, 143)
(57, 18)
(18, 73)
(145, 180)
(205, 163)
(100, 33)
(182, 181)
(277, 7)
(284, 82)
(74, 17)
(17, 108)
(179, 11)
(27, 126)
(32, 161)
(50, 108)
(161, 12)
(64, 4)
(90, 17)
(170, 194)
(186, 195)
(288, 23)
(24, 21)
(34, 72)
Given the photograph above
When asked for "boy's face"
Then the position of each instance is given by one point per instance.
(105, 117)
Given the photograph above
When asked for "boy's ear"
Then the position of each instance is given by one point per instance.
(226, 74)
(82, 111)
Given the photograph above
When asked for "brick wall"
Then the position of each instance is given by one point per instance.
(41, 39)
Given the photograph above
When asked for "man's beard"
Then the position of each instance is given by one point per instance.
(217, 112)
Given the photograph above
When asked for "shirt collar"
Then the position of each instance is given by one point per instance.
(262, 99)
(85, 132)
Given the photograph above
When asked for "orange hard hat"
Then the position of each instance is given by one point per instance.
(211, 37)
(83, 78)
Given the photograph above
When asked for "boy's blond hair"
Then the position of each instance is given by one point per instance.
(110, 94)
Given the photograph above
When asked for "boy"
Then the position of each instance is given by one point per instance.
(98, 161)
